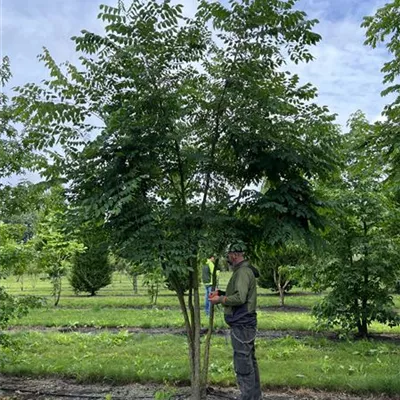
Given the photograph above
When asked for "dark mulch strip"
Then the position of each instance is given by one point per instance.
(261, 334)
(24, 388)
(290, 294)
(285, 308)
(149, 307)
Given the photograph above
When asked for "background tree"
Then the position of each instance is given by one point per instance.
(361, 266)
(123, 266)
(55, 243)
(13, 158)
(187, 125)
(279, 266)
(153, 280)
(91, 269)
(383, 27)
(14, 252)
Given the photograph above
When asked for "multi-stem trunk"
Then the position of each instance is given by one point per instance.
(198, 390)
(207, 342)
(191, 315)
(277, 281)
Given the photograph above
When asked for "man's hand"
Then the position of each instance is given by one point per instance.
(215, 298)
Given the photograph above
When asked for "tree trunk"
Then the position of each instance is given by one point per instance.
(282, 291)
(191, 315)
(197, 386)
(156, 294)
(207, 342)
(364, 300)
(135, 284)
(195, 382)
(364, 328)
(281, 296)
(57, 291)
(34, 280)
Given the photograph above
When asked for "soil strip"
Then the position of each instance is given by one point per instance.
(17, 388)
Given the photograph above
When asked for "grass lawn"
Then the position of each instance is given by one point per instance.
(120, 294)
(311, 363)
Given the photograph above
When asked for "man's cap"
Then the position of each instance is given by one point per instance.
(236, 247)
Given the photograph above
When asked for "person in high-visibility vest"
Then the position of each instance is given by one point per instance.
(207, 276)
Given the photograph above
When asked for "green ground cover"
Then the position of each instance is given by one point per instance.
(312, 363)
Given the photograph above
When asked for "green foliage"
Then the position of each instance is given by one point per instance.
(124, 266)
(15, 253)
(367, 367)
(21, 203)
(15, 307)
(187, 125)
(361, 264)
(13, 155)
(278, 266)
(383, 28)
(165, 394)
(174, 131)
(56, 245)
(153, 280)
(91, 269)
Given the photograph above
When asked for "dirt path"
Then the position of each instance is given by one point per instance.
(268, 334)
(13, 388)
(265, 334)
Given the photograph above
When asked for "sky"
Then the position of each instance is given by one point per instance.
(346, 73)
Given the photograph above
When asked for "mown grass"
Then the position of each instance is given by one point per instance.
(120, 286)
(166, 318)
(311, 362)
(120, 294)
(362, 366)
(169, 300)
(151, 318)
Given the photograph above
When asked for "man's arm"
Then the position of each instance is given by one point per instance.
(239, 295)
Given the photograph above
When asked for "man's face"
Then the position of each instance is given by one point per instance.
(231, 258)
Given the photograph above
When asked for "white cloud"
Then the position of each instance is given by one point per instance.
(346, 72)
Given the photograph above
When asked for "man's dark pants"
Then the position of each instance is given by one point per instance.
(245, 362)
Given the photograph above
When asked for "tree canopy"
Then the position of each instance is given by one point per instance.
(170, 125)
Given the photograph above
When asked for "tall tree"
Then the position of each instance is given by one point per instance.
(383, 27)
(361, 265)
(189, 119)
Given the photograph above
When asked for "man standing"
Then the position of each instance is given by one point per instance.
(240, 303)
(207, 277)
